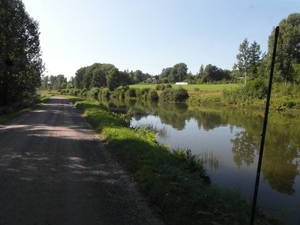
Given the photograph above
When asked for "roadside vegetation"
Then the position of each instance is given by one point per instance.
(174, 181)
(13, 111)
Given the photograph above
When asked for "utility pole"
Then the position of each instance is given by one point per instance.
(263, 134)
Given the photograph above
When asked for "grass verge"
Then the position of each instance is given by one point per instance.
(173, 181)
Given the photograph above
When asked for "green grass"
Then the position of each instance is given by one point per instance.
(191, 87)
(173, 181)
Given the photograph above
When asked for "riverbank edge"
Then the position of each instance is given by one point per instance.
(171, 181)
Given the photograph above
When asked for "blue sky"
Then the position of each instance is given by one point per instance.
(150, 35)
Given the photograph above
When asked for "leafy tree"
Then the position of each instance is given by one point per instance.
(213, 73)
(288, 48)
(254, 60)
(180, 72)
(79, 75)
(174, 74)
(88, 75)
(112, 79)
(165, 73)
(248, 59)
(45, 83)
(98, 78)
(57, 82)
(20, 63)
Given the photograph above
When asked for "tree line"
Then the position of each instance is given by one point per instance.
(21, 66)
(251, 64)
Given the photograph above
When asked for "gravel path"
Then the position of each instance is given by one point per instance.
(55, 170)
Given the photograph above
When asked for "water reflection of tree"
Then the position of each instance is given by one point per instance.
(244, 148)
(278, 166)
(174, 114)
(210, 120)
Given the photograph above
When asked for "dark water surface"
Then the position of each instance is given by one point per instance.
(228, 141)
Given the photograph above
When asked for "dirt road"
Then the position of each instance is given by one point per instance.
(55, 170)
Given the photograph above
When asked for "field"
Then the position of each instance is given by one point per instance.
(191, 87)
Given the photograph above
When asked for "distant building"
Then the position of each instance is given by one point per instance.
(181, 83)
(151, 80)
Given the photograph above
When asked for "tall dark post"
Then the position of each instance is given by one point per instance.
(263, 134)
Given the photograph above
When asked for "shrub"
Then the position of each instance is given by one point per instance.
(94, 92)
(168, 86)
(153, 96)
(104, 93)
(256, 88)
(83, 92)
(174, 95)
(130, 93)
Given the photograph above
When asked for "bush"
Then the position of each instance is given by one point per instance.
(256, 88)
(153, 96)
(104, 93)
(130, 93)
(83, 92)
(168, 86)
(94, 92)
(174, 95)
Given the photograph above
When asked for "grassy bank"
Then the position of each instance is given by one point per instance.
(173, 181)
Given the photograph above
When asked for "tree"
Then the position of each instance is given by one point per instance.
(213, 73)
(112, 79)
(176, 73)
(248, 59)
(98, 78)
(243, 57)
(180, 72)
(20, 64)
(88, 75)
(288, 49)
(79, 75)
(254, 60)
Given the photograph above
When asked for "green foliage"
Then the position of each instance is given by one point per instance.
(153, 96)
(83, 92)
(248, 59)
(288, 49)
(168, 86)
(119, 92)
(104, 93)
(174, 95)
(112, 79)
(94, 92)
(174, 181)
(213, 74)
(20, 63)
(160, 87)
(54, 82)
(254, 89)
(131, 93)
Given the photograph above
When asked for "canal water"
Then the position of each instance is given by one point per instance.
(228, 141)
